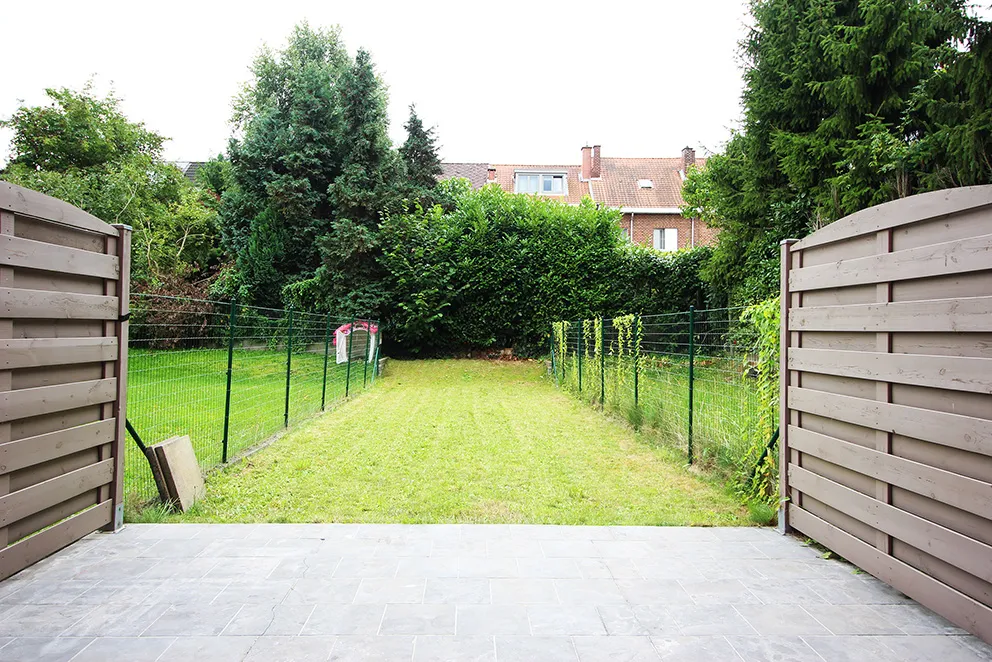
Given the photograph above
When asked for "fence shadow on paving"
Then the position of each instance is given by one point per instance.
(232, 375)
(693, 376)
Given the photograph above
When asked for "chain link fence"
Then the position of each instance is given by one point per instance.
(693, 376)
(231, 375)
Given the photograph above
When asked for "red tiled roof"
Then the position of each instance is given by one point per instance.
(618, 185)
(476, 173)
(576, 189)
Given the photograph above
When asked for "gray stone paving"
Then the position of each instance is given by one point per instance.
(272, 592)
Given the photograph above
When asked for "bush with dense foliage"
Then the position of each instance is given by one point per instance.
(499, 268)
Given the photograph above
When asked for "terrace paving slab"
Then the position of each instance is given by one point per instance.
(460, 592)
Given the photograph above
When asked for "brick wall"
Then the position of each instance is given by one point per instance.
(646, 224)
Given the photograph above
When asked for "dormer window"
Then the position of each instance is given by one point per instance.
(540, 183)
(645, 183)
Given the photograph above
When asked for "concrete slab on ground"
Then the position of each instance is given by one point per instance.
(460, 592)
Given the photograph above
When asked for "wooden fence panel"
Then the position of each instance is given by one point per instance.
(886, 396)
(63, 369)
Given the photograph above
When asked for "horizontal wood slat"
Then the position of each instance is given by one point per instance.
(34, 548)
(962, 492)
(900, 212)
(968, 314)
(27, 402)
(953, 605)
(27, 452)
(26, 202)
(957, 373)
(952, 257)
(28, 254)
(18, 505)
(37, 352)
(954, 430)
(959, 550)
(42, 304)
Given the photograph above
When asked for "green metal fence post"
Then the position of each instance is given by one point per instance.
(636, 349)
(554, 369)
(232, 318)
(692, 353)
(602, 365)
(327, 346)
(347, 379)
(365, 354)
(289, 366)
(581, 352)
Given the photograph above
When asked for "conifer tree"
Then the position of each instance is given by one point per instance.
(419, 153)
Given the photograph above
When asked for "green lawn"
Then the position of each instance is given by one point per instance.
(179, 392)
(465, 441)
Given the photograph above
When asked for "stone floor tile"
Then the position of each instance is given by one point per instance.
(314, 567)
(189, 569)
(208, 649)
(784, 591)
(548, 568)
(565, 621)
(172, 549)
(110, 591)
(418, 619)
(403, 548)
(192, 620)
(927, 648)
(311, 591)
(420, 568)
(255, 592)
(458, 548)
(116, 568)
(523, 591)
(595, 592)
(492, 620)
(116, 620)
(639, 620)
(653, 568)
(569, 549)
(781, 569)
(710, 620)
(243, 568)
(447, 649)
(615, 649)
(851, 619)
(380, 649)
(787, 548)
(622, 549)
(344, 619)
(269, 620)
(41, 620)
(487, 568)
(44, 592)
(42, 649)
(853, 649)
(382, 591)
(513, 548)
(446, 590)
(131, 649)
(857, 591)
(591, 568)
(696, 649)
(653, 592)
(774, 649)
(917, 619)
(362, 568)
(781, 620)
(189, 591)
(719, 592)
(291, 649)
(530, 649)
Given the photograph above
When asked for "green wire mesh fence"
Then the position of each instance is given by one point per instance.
(693, 376)
(230, 375)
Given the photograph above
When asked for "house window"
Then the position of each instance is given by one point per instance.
(666, 239)
(545, 184)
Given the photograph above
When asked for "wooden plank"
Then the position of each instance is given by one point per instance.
(946, 372)
(953, 605)
(951, 257)
(28, 254)
(942, 543)
(27, 452)
(42, 304)
(899, 212)
(37, 352)
(954, 430)
(31, 550)
(784, 382)
(18, 505)
(28, 402)
(969, 314)
(121, 329)
(7, 222)
(946, 487)
(24, 201)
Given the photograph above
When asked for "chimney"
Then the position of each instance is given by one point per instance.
(596, 170)
(688, 159)
(491, 176)
(586, 163)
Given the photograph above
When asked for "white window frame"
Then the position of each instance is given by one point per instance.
(541, 178)
(665, 239)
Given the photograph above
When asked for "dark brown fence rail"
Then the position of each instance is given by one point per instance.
(63, 301)
(886, 413)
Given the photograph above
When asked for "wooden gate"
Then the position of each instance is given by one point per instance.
(63, 331)
(886, 428)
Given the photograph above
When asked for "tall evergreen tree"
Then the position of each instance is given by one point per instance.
(419, 152)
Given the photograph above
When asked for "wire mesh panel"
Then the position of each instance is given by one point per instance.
(230, 376)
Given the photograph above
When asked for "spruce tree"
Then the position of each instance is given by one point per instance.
(419, 153)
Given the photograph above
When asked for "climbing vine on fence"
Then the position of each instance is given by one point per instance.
(763, 318)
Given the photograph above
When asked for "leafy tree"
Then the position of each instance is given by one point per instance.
(419, 152)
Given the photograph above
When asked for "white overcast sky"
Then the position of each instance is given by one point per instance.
(503, 82)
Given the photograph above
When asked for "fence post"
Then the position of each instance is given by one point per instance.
(602, 364)
(347, 378)
(327, 345)
(784, 381)
(554, 369)
(365, 354)
(692, 352)
(581, 349)
(289, 365)
(636, 350)
(231, 322)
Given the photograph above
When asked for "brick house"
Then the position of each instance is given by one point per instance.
(648, 192)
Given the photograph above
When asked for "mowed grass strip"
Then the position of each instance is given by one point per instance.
(465, 441)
